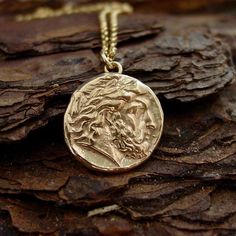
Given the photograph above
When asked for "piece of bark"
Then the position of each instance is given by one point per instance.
(171, 6)
(187, 187)
(221, 25)
(183, 63)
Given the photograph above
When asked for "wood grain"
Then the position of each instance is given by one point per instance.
(42, 65)
(186, 188)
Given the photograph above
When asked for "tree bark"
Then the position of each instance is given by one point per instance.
(187, 187)
(42, 65)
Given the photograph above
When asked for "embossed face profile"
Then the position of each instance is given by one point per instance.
(139, 121)
(113, 123)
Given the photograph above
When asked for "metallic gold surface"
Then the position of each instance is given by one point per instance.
(113, 123)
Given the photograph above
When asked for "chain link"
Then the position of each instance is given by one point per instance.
(108, 18)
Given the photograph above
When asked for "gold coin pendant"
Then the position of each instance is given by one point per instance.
(113, 123)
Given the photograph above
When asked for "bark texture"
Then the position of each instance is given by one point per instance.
(42, 64)
(188, 185)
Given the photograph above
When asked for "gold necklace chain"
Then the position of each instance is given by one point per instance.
(108, 18)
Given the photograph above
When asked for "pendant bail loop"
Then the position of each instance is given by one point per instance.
(115, 65)
(111, 65)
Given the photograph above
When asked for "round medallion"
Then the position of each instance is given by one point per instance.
(113, 123)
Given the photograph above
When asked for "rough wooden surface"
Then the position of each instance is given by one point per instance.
(42, 64)
(172, 6)
(188, 185)
(186, 188)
